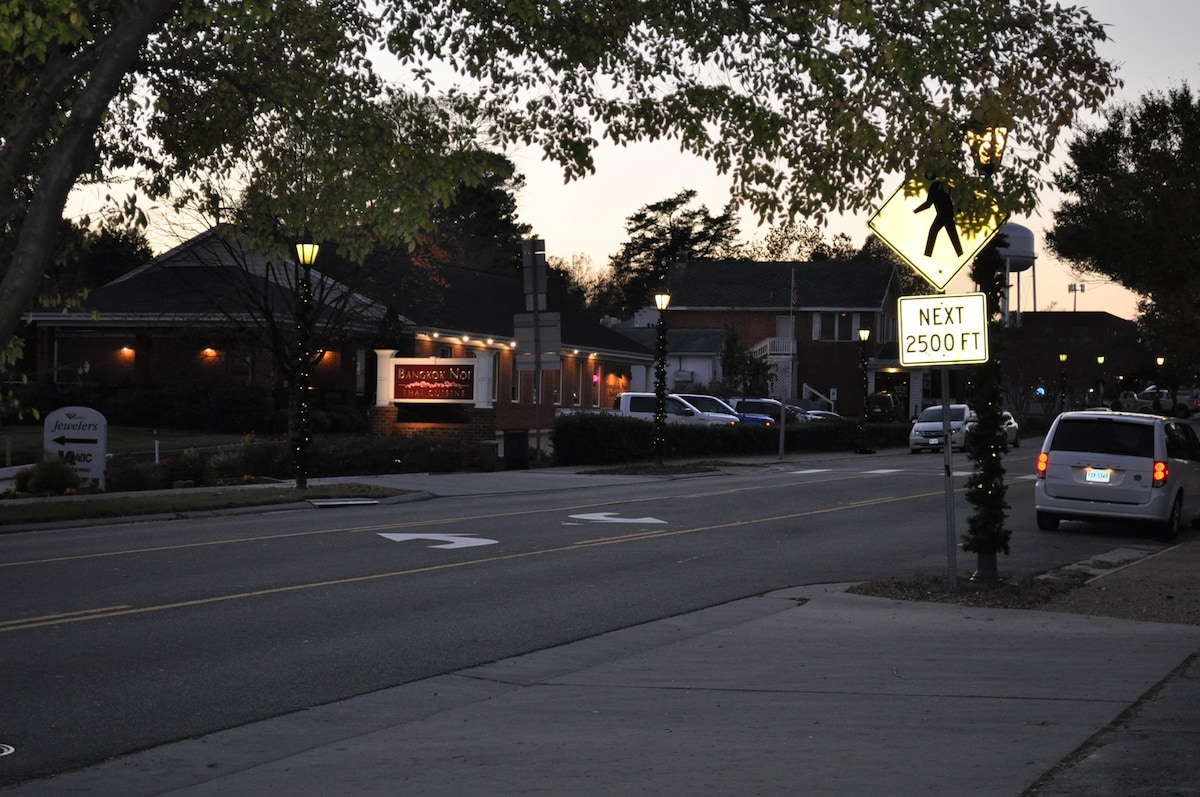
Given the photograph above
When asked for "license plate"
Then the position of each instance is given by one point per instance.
(933, 441)
(1096, 475)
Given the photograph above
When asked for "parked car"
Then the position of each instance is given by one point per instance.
(713, 404)
(1118, 466)
(641, 405)
(824, 415)
(767, 406)
(1012, 432)
(882, 407)
(928, 430)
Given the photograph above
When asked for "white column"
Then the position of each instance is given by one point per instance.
(384, 375)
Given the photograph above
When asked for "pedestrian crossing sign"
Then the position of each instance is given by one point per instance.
(919, 222)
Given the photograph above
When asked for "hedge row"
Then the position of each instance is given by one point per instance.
(256, 459)
(605, 439)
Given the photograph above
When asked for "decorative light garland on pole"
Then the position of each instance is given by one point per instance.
(662, 300)
(306, 254)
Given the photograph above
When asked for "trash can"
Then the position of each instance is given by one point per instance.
(516, 449)
(487, 455)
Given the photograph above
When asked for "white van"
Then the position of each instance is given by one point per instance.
(1118, 466)
(928, 431)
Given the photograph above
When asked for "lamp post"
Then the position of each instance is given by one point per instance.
(987, 143)
(1158, 381)
(662, 300)
(1100, 380)
(1062, 383)
(864, 444)
(306, 254)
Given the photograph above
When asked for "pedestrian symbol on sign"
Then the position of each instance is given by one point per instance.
(943, 219)
(936, 244)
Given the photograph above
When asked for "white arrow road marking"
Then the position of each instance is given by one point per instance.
(451, 540)
(612, 517)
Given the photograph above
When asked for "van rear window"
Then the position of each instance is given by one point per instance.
(1104, 436)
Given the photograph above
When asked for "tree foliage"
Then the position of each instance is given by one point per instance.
(661, 234)
(1132, 200)
(744, 373)
(808, 107)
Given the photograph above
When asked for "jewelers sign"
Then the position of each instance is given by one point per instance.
(79, 437)
(943, 329)
(433, 381)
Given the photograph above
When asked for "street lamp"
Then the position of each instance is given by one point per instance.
(1158, 382)
(864, 445)
(1062, 383)
(306, 254)
(662, 300)
(987, 144)
(1100, 383)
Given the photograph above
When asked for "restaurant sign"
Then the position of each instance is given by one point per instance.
(433, 380)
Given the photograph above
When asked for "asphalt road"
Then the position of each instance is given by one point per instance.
(122, 637)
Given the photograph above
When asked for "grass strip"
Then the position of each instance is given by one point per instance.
(209, 499)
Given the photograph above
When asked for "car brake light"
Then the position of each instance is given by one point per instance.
(1043, 463)
(1160, 474)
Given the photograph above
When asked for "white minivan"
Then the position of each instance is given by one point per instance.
(1118, 466)
(928, 431)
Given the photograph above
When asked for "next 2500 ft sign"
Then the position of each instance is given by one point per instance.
(943, 329)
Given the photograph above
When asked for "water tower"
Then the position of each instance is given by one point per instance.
(1018, 254)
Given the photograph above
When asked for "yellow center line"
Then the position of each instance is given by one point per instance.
(126, 611)
(35, 622)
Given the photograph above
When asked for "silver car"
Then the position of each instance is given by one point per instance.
(1118, 466)
(1012, 432)
(928, 431)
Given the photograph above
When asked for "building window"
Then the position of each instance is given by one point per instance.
(578, 402)
(514, 383)
(834, 326)
(596, 387)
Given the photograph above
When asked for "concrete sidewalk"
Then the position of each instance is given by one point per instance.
(809, 691)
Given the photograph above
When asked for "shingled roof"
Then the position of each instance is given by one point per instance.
(206, 281)
(745, 284)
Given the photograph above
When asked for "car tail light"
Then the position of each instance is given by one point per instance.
(1160, 474)
(1043, 463)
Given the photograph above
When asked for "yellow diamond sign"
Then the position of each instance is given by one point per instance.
(919, 222)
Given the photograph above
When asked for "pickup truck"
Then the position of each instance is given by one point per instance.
(1181, 405)
(679, 410)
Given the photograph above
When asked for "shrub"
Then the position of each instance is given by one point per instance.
(128, 474)
(271, 458)
(52, 477)
(600, 438)
(188, 466)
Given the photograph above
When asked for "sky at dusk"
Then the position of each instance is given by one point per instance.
(1152, 42)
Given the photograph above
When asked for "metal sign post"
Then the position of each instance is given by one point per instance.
(944, 330)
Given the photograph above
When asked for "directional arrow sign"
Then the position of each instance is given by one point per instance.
(612, 517)
(450, 540)
(62, 441)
